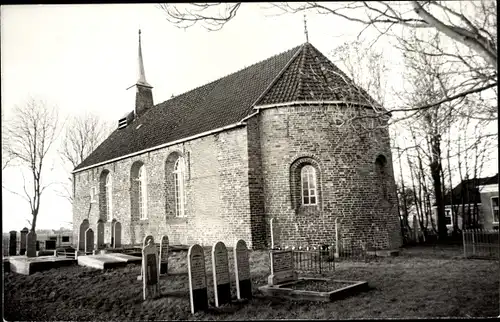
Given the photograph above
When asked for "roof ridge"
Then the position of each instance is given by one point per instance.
(300, 73)
(295, 55)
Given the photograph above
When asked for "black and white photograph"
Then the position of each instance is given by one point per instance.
(250, 161)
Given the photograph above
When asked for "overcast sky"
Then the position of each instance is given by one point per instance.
(83, 57)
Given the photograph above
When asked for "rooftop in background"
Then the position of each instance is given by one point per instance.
(470, 190)
(301, 74)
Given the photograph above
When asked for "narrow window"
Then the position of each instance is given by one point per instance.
(93, 192)
(308, 180)
(494, 209)
(448, 216)
(141, 189)
(179, 173)
(109, 197)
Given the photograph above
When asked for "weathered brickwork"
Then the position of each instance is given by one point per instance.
(217, 202)
(350, 186)
(236, 180)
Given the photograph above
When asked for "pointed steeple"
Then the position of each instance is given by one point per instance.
(142, 75)
(144, 94)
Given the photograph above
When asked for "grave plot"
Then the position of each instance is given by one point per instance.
(285, 283)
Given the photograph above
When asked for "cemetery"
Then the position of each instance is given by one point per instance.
(284, 282)
(158, 281)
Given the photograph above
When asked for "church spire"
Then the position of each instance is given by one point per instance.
(142, 74)
(305, 29)
(143, 94)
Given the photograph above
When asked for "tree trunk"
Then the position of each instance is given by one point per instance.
(436, 169)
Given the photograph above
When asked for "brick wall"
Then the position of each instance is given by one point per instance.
(349, 185)
(217, 190)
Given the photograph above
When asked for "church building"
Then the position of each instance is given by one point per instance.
(290, 138)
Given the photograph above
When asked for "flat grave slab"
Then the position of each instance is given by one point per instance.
(314, 289)
(109, 260)
(125, 257)
(29, 265)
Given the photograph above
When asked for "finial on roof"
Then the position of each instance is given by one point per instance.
(305, 29)
(142, 74)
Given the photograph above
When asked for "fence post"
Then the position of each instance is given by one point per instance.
(320, 256)
(463, 241)
(473, 242)
(337, 236)
(272, 233)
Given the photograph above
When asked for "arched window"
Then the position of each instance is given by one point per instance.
(308, 184)
(109, 197)
(179, 187)
(141, 189)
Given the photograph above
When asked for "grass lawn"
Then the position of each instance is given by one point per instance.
(422, 282)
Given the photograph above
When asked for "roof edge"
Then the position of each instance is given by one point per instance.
(193, 137)
(261, 107)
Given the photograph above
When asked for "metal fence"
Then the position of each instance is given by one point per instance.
(315, 261)
(481, 244)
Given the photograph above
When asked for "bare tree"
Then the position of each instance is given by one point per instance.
(82, 136)
(31, 133)
(470, 27)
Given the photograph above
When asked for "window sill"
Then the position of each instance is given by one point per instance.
(143, 219)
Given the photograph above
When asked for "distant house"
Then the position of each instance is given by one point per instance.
(219, 161)
(480, 192)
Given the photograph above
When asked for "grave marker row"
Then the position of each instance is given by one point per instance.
(116, 233)
(220, 265)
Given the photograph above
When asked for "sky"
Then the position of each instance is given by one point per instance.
(84, 57)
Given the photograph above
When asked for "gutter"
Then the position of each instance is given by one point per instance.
(261, 107)
(196, 136)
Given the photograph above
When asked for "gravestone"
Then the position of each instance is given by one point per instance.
(50, 244)
(31, 244)
(100, 234)
(89, 241)
(198, 295)
(242, 271)
(281, 267)
(24, 232)
(145, 242)
(12, 243)
(151, 288)
(117, 238)
(81, 236)
(164, 254)
(220, 269)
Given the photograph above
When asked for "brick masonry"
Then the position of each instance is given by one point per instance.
(217, 207)
(349, 184)
(238, 179)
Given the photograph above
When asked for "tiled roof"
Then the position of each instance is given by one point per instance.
(310, 76)
(299, 74)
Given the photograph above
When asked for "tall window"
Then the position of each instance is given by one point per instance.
(448, 216)
(308, 180)
(141, 189)
(179, 176)
(494, 209)
(109, 197)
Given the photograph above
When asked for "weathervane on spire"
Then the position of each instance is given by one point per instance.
(305, 29)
